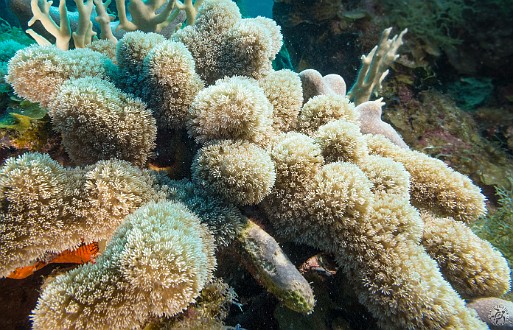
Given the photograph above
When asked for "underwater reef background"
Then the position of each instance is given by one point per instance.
(448, 94)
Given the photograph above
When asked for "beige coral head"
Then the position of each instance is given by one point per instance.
(98, 121)
(322, 109)
(234, 108)
(389, 178)
(36, 72)
(186, 258)
(172, 83)
(283, 90)
(158, 261)
(297, 159)
(217, 16)
(223, 44)
(133, 48)
(47, 207)
(315, 84)
(239, 171)
(341, 141)
(369, 118)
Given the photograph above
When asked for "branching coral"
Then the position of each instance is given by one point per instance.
(61, 33)
(375, 67)
(147, 16)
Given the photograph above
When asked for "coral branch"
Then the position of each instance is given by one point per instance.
(375, 67)
(84, 32)
(61, 33)
(144, 15)
(191, 10)
(104, 19)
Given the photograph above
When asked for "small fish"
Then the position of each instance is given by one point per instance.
(23, 272)
(82, 255)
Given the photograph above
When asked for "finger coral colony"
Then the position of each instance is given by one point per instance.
(264, 150)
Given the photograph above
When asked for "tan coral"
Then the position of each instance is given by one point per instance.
(98, 121)
(472, 266)
(341, 141)
(47, 207)
(130, 53)
(36, 72)
(223, 44)
(172, 83)
(387, 176)
(321, 109)
(239, 171)
(433, 184)
(283, 89)
(234, 108)
(156, 264)
(105, 47)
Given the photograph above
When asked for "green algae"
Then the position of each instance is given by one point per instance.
(431, 122)
(20, 115)
(497, 228)
(470, 92)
